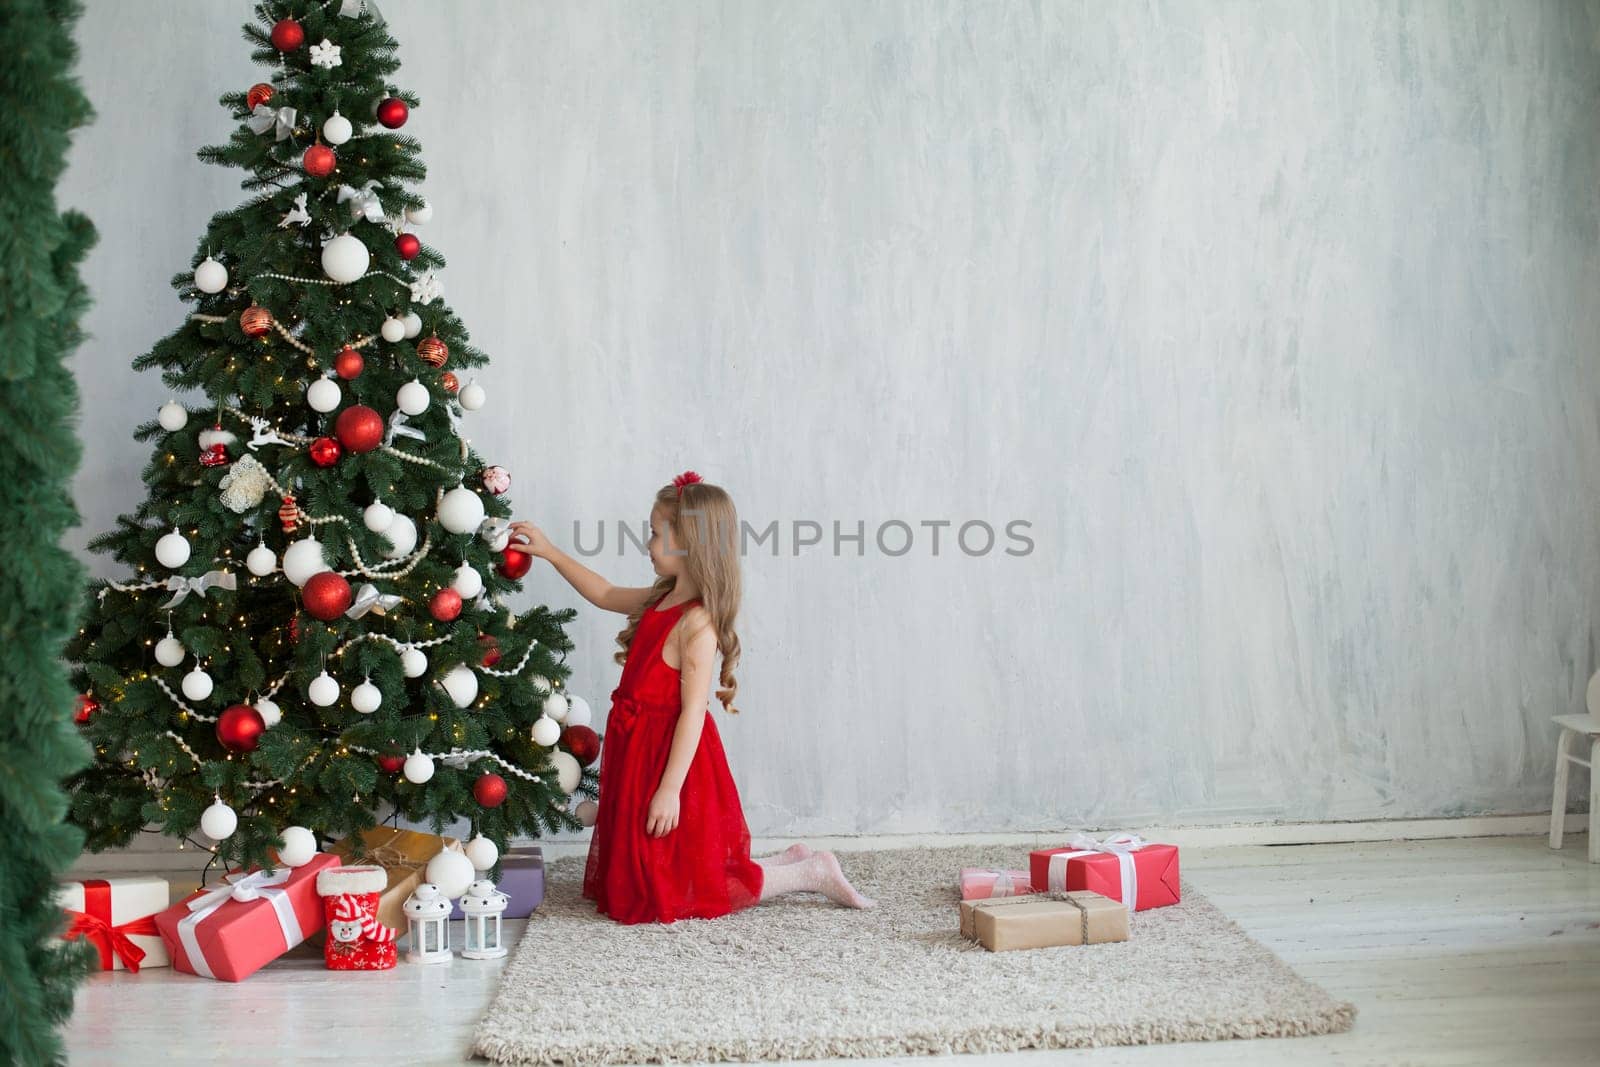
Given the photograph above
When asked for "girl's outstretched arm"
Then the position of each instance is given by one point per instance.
(591, 586)
(697, 646)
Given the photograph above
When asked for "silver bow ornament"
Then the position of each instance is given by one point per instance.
(181, 587)
(363, 201)
(265, 117)
(398, 428)
(369, 599)
(353, 9)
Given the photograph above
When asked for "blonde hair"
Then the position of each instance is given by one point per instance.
(709, 541)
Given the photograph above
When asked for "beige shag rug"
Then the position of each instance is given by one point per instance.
(800, 978)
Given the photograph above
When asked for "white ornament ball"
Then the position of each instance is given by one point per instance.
(219, 821)
(170, 651)
(323, 690)
(366, 697)
(413, 662)
(173, 415)
(588, 812)
(578, 711)
(472, 396)
(461, 510)
(412, 398)
(413, 323)
(393, 329)
(172, 550)
(555, 706)
(378, 516)
(461, 682)
(323, 395)
(546, 731)
(269, 711)
(451, 871)
(468, 582)
(420, 216)
(197, 684)
(303, 559)
(210, 276)
(299, 845)
(336, 130)
(261, 561)
(418, 769)
(482, 853)
(345, 258)
(568, 770)
(402, 534)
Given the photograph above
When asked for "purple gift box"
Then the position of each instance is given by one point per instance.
(521, 879)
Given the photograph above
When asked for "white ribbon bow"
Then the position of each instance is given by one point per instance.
(264, 117)
(497, 532)
(181, 587)
(398, 428)
(369, 599)
(1121, 845)
(1004, 884)
(352, 9)
(241, 887)
(363, 201)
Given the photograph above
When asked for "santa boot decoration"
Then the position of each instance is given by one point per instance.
(356, 940)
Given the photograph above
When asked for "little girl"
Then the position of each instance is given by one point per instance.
(670, 841)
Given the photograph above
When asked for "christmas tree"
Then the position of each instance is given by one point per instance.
(312, 633)
(40, 581)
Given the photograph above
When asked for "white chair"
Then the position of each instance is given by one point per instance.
(1576, 726)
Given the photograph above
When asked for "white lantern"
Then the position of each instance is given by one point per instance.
(366, 697)
(484, 906)
(218, 821)
(173, 416)
(413, 323)
(461, 510)
(419, 215)
(461, 682)
(428, 925)
(261, 561)
(197, 684)
(336, 130)
(392, 329)
(412, 398)
(345, 258)
(170, 651)
(555, 706)
(546, 731)
(323, 690)
(413, 661)
(323, 395)
(269, 711)
(377, 516)
(402, 535)
(472, 396)
(468, 582)
(578, 711)
(418, 768)
(210, 276)
(304, 559)
(172, 550)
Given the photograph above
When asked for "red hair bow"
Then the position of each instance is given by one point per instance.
(686, 478)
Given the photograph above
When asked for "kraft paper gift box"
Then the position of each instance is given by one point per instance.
(980, 883)
(403, 854)
(118, 917)
(521, 879)
(1044, 920)
(232, 930)
(1123, 867)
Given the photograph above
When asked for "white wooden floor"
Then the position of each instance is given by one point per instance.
(1483, 950)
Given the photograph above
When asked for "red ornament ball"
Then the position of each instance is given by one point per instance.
(87, 706)
(407, 245)
(433, 351)
(491, 649)
(348, 364)
(255, 321)
(445, 605)
(514, 562)
(259, 93)
(240, 727)
(327, 596)
(582, 742)
(393, 112)
(325, 451)
(319, 161)
(489, 790)
(288, 35)
(451, 383)
(391, 762)
(359, 428)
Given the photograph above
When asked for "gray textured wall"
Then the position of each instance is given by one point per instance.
(1275, 320)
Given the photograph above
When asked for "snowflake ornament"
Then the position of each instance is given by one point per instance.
(298, 215)
(426, 289)
(325, 55)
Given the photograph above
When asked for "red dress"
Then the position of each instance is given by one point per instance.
(702, 868)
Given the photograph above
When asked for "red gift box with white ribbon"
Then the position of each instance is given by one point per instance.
(117, 917)
(233, 930)
(1123, 867)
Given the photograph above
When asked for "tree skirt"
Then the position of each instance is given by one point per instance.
(800, 978)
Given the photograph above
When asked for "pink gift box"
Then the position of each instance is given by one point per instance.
(1105, 869)
(983, 883)
(234, 929)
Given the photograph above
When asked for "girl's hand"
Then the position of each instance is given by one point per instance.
(662, 817)
(538, 545)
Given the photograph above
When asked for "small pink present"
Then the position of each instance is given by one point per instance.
(983, 883)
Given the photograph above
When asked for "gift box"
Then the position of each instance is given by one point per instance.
(403, 854)
(1123, 867)
(521, 880)
(117, 917)
(981, 883)
(1044, 920)
(233, 930)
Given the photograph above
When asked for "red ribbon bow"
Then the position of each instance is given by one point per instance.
(686, 478)
(94, 923)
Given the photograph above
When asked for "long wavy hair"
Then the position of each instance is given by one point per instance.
(709, 537)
